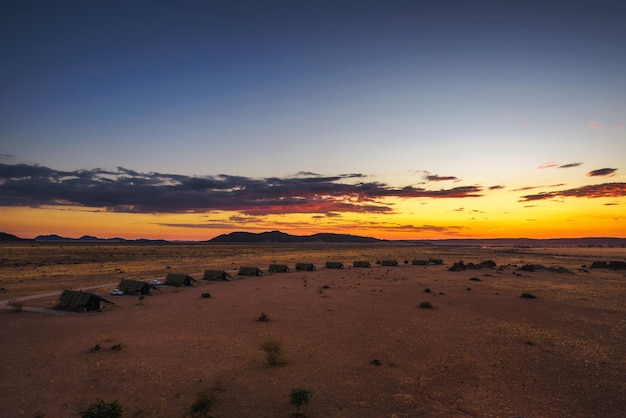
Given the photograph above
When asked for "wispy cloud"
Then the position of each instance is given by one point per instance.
(570, 165)
(521, 189)
(496, 187)
(124, 190)
(595, 125)
(554, 164)
(602, 172)
(589, 191)
(551, 164)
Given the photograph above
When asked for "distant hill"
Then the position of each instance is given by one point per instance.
(283, 238)
(4, 237)
(530, 242)
(89, 238)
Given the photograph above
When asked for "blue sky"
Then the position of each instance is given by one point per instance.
(483, 91)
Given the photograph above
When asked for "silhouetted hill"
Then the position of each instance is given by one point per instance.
(531, 242)
(89, 238)
(4, 237)
(283, 238)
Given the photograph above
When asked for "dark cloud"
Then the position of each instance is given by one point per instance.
(435, 177)
(553, 164)
(124, 190)
(496, 187)
(590, 191)
(570, 165)
(602, 172)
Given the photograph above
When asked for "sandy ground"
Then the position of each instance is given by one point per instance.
(482, 351)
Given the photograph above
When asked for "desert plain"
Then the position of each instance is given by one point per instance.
(357, 338)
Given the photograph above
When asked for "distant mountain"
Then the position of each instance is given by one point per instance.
(89, 238)
(4, 237)
(530, 242)
(283, 238)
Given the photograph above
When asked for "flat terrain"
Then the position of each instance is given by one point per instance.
(356, 337)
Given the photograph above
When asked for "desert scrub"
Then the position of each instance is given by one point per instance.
(101, 409)
(202, 405)
(206, 295)
(273, 351)
(16, 305)
(263, 317)
(299, 397)
(426, 305)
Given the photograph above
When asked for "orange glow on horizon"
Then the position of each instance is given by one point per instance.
(435, 220)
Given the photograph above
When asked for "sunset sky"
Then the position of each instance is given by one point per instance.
(392, 119)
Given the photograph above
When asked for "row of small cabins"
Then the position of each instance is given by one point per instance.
(79, 301)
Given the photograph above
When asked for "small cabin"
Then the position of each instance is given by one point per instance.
(334, 265)
(360, 263)
(389, 263)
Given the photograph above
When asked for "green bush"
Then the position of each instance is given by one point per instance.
(299, 397)
(273, 351)
(101, 409)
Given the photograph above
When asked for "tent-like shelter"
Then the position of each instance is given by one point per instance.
(78, 301)
(250, 271)
(134, 287)
(179, 279)
(305, 266)
(216, 275)
(278, 268)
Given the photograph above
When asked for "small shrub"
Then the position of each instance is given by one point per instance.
(101, 409)
(299, 397)
(426, 305)
(16, 305)
(96, 347)
(263, 317)
(117, 347)
(273, 351)
(528, 296)
(202, 405)
(206, 295)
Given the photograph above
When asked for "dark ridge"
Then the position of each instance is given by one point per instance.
(4, 237)
(283, 238)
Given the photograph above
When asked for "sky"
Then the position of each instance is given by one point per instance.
(393, 119)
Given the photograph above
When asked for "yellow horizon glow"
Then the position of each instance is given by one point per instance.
(415, 219)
